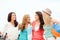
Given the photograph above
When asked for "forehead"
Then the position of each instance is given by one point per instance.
(13, 14)
(35, 14)
(28, 16)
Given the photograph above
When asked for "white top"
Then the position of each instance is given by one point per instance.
(36, 28)
(12, 32)
(29, 30)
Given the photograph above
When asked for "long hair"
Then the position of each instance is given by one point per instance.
(40, 19)
(9, 19)
(47, 19)
(24, 21)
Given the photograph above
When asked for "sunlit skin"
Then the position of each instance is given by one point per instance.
(53, 21)
(37, 20)
(28, 21)
(36, 17)
(0, 32)
(13, 17)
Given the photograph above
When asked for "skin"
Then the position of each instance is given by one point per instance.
(13, 18)
(28, 21)
(0, 32)
(49, 19)
(53, 21)
(36, 17)
(37, 20)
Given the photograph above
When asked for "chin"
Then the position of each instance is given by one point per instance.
(14, 19)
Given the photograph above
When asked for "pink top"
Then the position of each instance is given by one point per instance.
(37, 35)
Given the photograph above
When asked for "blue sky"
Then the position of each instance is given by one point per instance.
(21, 7)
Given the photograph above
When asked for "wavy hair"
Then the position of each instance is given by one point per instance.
(40, 19)
(9, 19)
(24, 21)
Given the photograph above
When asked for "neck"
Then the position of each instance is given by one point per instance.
(12, 22)
(26, 25)
(37, 21)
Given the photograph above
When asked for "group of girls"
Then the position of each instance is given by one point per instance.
(39, 29)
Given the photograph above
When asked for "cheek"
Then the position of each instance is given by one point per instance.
(28, 20)
(13, 17)
(44, 15)
(36, 17)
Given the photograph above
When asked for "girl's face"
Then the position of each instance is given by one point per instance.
(13, 17)
(28, 19)
(36, 17)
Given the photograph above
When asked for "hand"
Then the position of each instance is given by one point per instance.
(6, 36)
(0, 33)
(54, 21)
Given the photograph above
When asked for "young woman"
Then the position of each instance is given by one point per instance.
(11, 29)
(26, 29)
(38, 31)
(48, 24)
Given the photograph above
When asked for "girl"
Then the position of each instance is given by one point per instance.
(11, 29)
(26, 29)
(48, 24)
(38, 31)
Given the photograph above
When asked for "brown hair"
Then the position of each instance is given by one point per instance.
(9, 19)
(24, 21)
(40, 19)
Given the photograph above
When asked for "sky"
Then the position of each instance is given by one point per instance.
(22, 7)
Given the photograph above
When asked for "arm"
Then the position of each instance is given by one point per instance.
(19, 26)
(0, 32)
(5, 30)
(54, 21)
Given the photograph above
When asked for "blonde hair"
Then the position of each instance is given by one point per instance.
(24, 21)
(47, 19)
